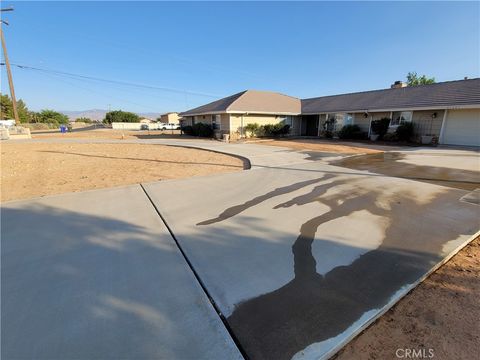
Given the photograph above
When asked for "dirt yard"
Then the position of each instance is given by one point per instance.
(38, 169)
(441, 314)
(105, 133)
(325, 146)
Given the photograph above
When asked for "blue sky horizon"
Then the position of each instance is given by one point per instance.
(193, 53)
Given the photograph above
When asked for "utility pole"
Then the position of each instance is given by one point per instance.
(9, 71)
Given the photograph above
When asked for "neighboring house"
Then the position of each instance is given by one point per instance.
(448, 110)
(230, 115)
(146, 121)
(170, 118)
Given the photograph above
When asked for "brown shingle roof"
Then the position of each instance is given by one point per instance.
(434, 96)
(251, 101)
(439, 95)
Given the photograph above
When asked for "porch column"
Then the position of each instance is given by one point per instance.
(442, 128)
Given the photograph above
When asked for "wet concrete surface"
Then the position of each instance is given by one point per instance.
(390, 163)
(422, 224)
(313, 308)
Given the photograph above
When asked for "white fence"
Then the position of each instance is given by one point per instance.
(136, 126)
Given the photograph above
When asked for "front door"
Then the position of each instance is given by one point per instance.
(311, 125)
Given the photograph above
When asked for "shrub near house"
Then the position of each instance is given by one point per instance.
(352, 132)
(380, 127)
(404, 132)
(199, 129)
(253, 129)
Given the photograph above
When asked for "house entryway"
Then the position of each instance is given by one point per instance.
(309, 125)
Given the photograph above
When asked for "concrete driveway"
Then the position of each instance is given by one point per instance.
(297, 255)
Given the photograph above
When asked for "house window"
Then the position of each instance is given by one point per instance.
(348, 119)
(216, 122)
(289, 121)
(400, 117)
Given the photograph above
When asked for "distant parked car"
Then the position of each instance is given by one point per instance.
(170, 127)
(144, 127)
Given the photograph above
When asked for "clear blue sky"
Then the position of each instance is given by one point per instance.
(301, 49)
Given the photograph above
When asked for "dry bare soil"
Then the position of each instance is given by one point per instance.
(38, 169)
(325, 146)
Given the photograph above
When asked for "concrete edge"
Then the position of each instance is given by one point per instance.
(246, 162)
(394, 301)
(70, 193)
(197, 278)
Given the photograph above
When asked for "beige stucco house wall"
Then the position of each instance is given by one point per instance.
(234, 124)
(239, 120)
(170, 118)
(426, 123)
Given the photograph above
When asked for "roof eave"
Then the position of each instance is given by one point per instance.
(432, 107)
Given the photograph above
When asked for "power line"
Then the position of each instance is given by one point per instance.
(118, 82)
(55, 77)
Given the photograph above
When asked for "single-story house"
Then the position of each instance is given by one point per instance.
(447, 110)
(230, 115)
(170, 118)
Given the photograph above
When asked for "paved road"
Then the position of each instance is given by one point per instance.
(298, 254)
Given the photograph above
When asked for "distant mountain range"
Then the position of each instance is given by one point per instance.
(99, 114)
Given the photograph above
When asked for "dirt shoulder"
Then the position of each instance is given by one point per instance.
(38, 169)
(441, 314)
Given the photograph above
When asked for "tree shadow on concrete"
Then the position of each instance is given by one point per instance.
(79, 286)
(312, 307)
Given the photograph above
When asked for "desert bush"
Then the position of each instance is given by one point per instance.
(380, 127)
(275, 129)
(84, 120)
(253, 129)
(351, 132)
(188, 130)
(404, 132)
(327, 134)
(390, 137)
(198, 129)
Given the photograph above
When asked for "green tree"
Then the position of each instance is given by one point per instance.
(51, 116)
(6, 109)
(414, 80)
(84, 120)
(23, 113)
(120, 116)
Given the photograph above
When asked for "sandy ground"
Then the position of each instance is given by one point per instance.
(441, 314)
(105, 133)
(326, 146)
(38, 169)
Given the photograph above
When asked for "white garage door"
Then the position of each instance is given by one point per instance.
(462, 127)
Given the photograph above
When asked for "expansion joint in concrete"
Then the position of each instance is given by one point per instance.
(197, 277)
